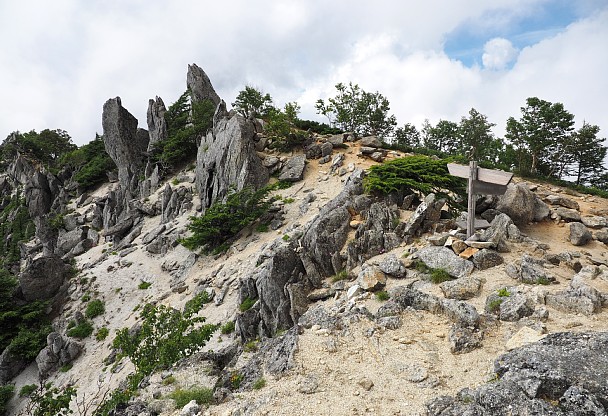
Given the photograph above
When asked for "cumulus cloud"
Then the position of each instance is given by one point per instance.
(498, 53)
(63, 60)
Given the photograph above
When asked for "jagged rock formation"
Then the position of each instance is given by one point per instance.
(200, 86)
(226, 158)
(157, 126)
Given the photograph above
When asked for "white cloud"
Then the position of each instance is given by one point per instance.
(498, 53)
(60, 61)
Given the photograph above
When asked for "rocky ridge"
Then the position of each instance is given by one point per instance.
(540, 268)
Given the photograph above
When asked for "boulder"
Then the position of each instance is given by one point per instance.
(10, 366)
(58, 352)
(42, 278)
(519, 203)
(461, 289)
(602, 236)
(371, 278)
(200, 86)
(550, 377)
(567, 214)
(371, 141)
(486, 259)
(562, 201)
(594, 221)
(464, 339)
(425, 215)
(293, 171)
(313, 151)
(393, 267)
(444, 258)
(579, 234)
(326, 149)
(529, 270)
(227, 160)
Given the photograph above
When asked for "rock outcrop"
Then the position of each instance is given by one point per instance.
(227, 160)
(200, 86)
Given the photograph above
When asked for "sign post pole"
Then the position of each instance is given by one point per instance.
(471, 204)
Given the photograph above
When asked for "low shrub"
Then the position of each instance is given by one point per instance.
(260, 383)
(202, 395)
(341, 275)
(227, 328)
(80, 331)
(247, 304)
(102, 333)
(95, 308)
(144, 285)
(382, 296)
(439, 276)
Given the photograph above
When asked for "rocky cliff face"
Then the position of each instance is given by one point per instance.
(200, 86)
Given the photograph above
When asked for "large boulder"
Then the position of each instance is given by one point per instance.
(10, 366)
(425, 215)
(227, 160)
(522, 205)
(293, 171)
(562, 374)
(579, 234)
(444, 258)
(200, 86)
(58, 352)
(42, 278)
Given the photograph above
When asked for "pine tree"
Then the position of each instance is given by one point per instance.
(588, 154)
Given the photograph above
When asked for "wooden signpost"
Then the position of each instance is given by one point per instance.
(481, 182)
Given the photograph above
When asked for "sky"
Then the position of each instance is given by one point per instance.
(61, 60)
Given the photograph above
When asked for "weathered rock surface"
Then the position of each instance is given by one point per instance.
(562, 201)
(425, 215)
(520, 204)
(293, 171)
(157, 126)
(444, 258)
(10, 366)
(461, 289)
(371, 278)
(200, 86)
(579, 234)
(42, 278)
(58, 352)
(529, 270)
(227, 160)
(534, 378)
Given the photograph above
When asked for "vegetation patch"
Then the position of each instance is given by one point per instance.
(227, 328)
(144, 285)
(81, 330)
(341, 275)
(95, 308)
(382, 296)
(259, 384)
(102, 333)
(202, 395)
(247, 304)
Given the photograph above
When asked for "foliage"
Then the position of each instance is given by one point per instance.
(259, 384)
(223, 220)
(227, 328)
(95, 308)
(246, 304)
(415, 174)
(27, 389)
(253, 102)
(186, 120)
(235, 380)
(341, 275)
(503, 292)
(197, 302)
(81, 330)
(588, 154)
(47, 147)
(439, 276)
(202, 395)
(90, 162)
(251, 346)
(30, 339)
(102, 333)
(316, 127)
(166, 335)
(356, 110)
(48, 400)
(144, 285)
(407, 136)
(6, 393)
(382, 296)
(15, 226)
(494, 305)
(280, 128)
(541, 137)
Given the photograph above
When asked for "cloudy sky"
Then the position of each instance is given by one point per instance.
(61, 60)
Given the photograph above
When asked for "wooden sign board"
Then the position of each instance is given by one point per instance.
(487, 188)
(498, 177)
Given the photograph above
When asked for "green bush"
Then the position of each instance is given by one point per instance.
(91, 163)
(48, 400)
(95, 308)
(439, 276)
(341, 275)
(82, 330)
(222, 221)
(247, 304)
(66, 368)
(102, 333)
(203, 396)
(382, 296)
(197, 302)
(504, 292)
(6, 393)
(260, 383)
(415, 174)
(227, 328)
(29, 341)
(144, 285)
(166, 335)
(27, 390)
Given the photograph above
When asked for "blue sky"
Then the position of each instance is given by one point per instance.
(61, 60)
(466, 42)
